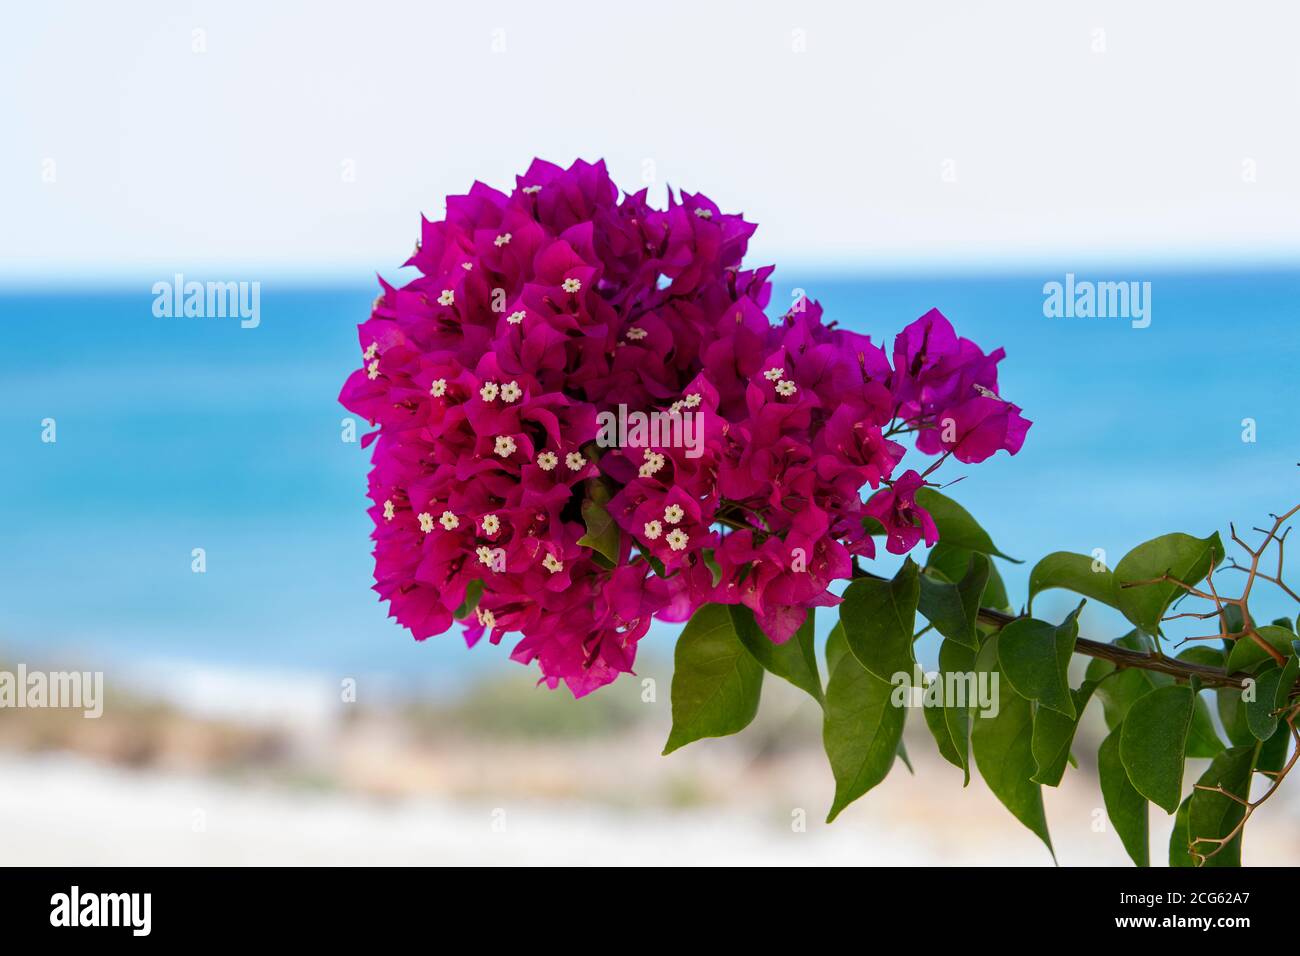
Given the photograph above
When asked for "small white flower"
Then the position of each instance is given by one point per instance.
(510, 392)
(674, 514)
(426, 522)
(677, 539)
(370, 351)
(653, 529)
(489, 391)
(484, 554)
(505, 446)
(486, 618)
(532, 189)
(572, 285)
(514, 318)
(552, 563)
(448, 297)
(774, 374)
(986, 392)
(786, 388)
(449, 521)
(388, 510)
(693, 400)
(704, 213)
(635, 334)
(491, 524)
(676, 407)
(653, 463)
(372, 370)
(438, 388)
(575, 461)
(502, 240)
(547, 460)
(467, 266)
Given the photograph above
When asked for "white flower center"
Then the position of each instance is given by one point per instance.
(449, 521)
(572, 285)
(448, 297)
(547, 460)
(505, 446)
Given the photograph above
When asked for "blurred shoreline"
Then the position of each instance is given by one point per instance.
(505, 772)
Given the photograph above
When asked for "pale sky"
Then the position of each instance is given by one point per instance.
(874, 136)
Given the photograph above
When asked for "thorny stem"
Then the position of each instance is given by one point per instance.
(1221, 842)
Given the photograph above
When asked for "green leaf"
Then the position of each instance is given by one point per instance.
(879, 618)
(934, 719)
(602, 533)
(861, 731)
(1202, 739)
(1118, 693)
(473, 591)
(1003, 749)
(1179, 839)
(951, 564)
(1035, 657)
(1260, 716)
(954, 608)
(1126, 807)
(948, 720)
(1246, 654)
(716, 682)
(956, 526)
(1180, 556)
(902, 754)
(1053, 735)
(957, 659)
(1074, 572)
(836, 647)
(1232, 712)
(795, 660)
(1153, 742)
(1287, 681)
(1273, 752)
(1211, 815)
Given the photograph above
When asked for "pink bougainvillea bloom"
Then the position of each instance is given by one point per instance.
(904, 520)
(538, 311)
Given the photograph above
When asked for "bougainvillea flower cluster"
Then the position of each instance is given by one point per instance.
(539, 313)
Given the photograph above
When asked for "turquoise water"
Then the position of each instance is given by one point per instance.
(174, 434)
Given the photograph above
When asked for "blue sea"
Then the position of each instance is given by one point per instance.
(183, 433)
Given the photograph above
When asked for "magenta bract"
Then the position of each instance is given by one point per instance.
(541, 315)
